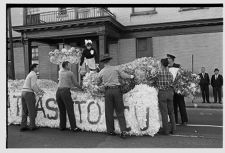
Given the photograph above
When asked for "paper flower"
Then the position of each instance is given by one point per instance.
(186, 83)
(72, 55)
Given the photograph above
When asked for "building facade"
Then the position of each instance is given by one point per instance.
(193, 34)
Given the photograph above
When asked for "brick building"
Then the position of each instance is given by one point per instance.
(193, 34)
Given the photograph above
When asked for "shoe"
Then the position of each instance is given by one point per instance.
(184, 123)
(172, 132)
(208, 102)
(123, 135)
(62, 129)
(34, 128)
(76, 130)
(112, 133)
(163, 133)
(24, 129)
(220, 102)
(203, 102)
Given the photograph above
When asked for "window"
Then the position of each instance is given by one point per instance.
(190, 8)
(144, 47)
(141, 44)
(34, 53)
(35, 56)
(143, 11)
(62, 11)
(32, 10)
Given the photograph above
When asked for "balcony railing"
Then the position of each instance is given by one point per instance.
(67, 15)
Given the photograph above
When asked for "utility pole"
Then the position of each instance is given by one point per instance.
(11, 42)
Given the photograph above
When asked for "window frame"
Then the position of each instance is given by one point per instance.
(36, 53)
(183, 9)
(150, 12)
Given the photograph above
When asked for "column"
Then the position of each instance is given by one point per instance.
(102, 48)
(27, 54)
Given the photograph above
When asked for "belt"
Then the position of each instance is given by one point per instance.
(112, 87)
(63, 88)
(165, 89)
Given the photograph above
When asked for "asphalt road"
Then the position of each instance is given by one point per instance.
(203, 131)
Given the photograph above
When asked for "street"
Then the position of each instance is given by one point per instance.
(203, 131)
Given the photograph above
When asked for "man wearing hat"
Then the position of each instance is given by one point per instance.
(217, 83)
(178, 99)
(109, 76)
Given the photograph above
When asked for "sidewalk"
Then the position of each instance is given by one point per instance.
(197, 103)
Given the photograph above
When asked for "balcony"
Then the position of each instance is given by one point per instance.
(67, 15)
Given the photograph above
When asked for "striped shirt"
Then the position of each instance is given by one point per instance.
(164, 79)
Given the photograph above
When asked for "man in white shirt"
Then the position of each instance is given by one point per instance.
(28, 99)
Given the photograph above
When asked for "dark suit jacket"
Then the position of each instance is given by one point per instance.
(217, 82)
(204, 81)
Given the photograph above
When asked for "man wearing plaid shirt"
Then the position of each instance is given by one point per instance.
(165, 96)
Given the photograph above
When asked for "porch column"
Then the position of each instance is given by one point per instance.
(27, 54)
(102, 48)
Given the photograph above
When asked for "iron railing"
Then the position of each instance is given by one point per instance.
(67, 15)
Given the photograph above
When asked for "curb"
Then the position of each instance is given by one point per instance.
(202, 106)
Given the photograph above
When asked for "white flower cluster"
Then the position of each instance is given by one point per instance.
(142, 115)
(72, 55)
(91, 84)
(144, 110)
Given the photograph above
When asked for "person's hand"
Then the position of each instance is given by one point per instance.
(131, 76)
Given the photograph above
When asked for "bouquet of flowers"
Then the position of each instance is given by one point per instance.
(144, 69)
(186, 83)
(92, 85)
(72, 55)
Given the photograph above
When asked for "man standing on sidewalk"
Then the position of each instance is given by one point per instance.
(204, 84)
(178, 99)
(28, 99)
(165, 95)
(109, 76)
(217, 83)
(64, 99)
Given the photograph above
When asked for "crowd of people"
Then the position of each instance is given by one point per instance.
(168, 100)
(216, 83)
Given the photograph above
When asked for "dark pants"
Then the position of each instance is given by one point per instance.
(28, 109)
(178, 102)
(166, 108)
(205, 92)
(114, 100)
(217, 91)
(65, 104)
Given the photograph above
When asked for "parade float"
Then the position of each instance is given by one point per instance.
(140, 96)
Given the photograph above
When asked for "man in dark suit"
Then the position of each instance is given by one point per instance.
(178, 99)
(204, 84)
(217, 83)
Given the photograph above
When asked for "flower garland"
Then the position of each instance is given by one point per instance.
(144, 69)
(72, 55)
